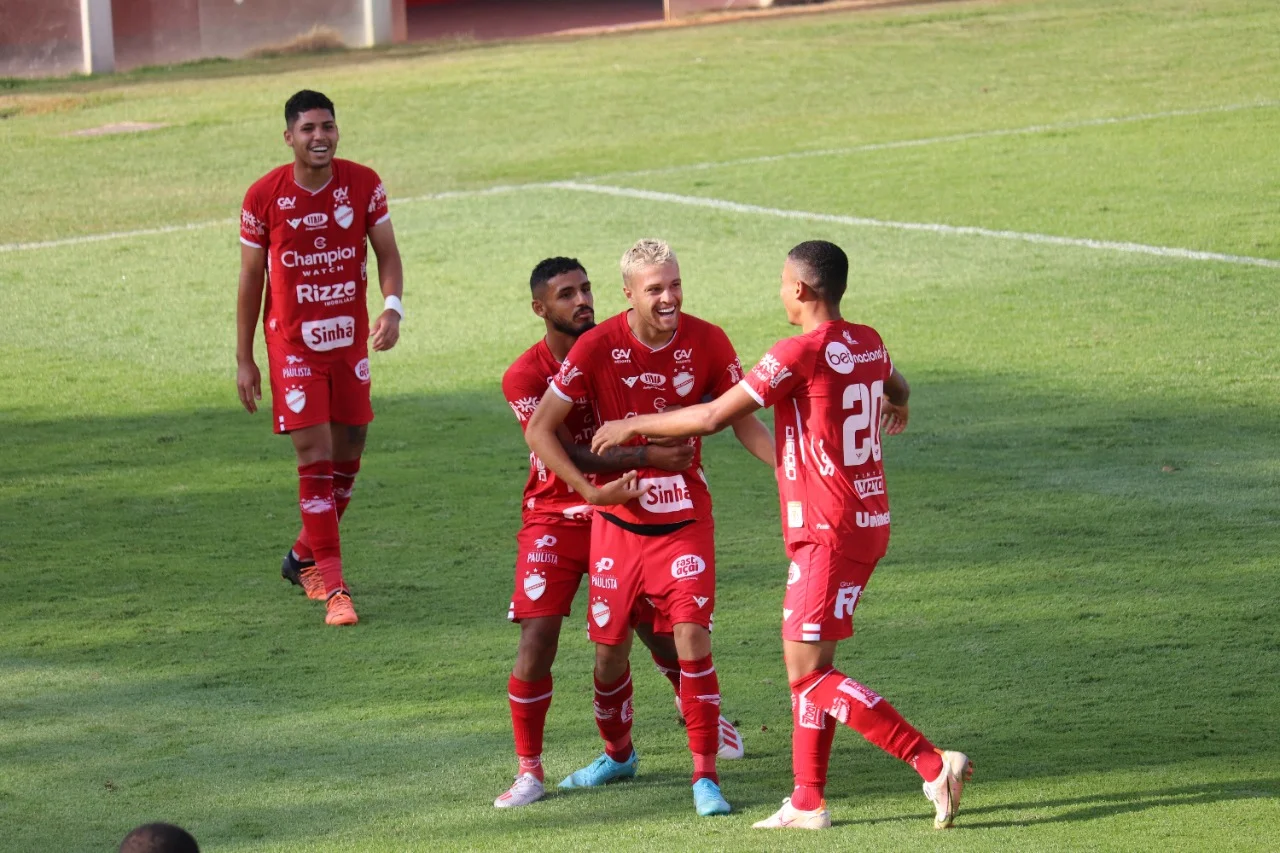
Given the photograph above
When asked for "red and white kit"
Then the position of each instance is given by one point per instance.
(826, 388)
(619, 377)
(555, 536)
(316, 323)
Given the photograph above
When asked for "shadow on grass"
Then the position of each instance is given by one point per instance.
(1041, 549)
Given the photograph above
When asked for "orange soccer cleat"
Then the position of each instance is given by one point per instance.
(339, 610)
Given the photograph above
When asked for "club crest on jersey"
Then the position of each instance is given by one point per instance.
(600, 613)
(683, 383)
(535, 585)
(295, 399)
(343, 215)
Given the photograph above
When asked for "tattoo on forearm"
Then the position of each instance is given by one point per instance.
(613, 459)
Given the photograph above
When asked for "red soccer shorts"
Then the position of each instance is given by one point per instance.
(823, 588)
(550, 562)
(306, 390)
(676, 572)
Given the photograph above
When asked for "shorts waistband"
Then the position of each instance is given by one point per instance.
(646, 529)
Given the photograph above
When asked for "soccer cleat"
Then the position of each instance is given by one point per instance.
(525, 790)
(303, 573)
(707, 799)
(730, 741)
(602, 771)
(790, 817)
(338, 609)
(944, 792)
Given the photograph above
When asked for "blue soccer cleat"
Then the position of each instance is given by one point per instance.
(708, 800)
(601, 772)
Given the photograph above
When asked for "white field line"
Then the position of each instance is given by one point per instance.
(585, 185)
(928, 227)
(936, 140)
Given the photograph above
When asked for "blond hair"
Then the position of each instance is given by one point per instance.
(647, 252)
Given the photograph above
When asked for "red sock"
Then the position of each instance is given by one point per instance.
(700, 699)
(344, 477)
(865, 711)
(613, 716)
(320, 521)
(812, 733)
(529, 702)
(668, 667)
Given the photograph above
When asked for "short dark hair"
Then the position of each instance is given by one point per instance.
(826, 268)
(303, 101)
(550, 268)
(159, 838)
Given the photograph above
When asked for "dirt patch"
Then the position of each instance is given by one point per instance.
(316, 40)
(118, 127)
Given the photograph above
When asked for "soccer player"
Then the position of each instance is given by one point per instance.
(304, 225)
(554, 540)
(656, 538)
(832, 387)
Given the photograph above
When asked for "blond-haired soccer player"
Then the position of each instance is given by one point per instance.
(832, 387)
(652, 534)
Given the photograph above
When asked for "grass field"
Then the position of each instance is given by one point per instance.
(1081, 590)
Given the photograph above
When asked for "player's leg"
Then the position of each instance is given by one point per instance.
(614, 589)
(313, 446)
(662, 648)
(823, 591)
(348, 447)
(529, 692)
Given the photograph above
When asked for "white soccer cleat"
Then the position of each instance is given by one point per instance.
(525, 790)
(730, 741)
(789, 817)
(944, 792)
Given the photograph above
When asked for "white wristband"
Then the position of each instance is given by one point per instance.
(392, 303)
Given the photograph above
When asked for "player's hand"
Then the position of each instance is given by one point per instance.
(249, 385)
(625, 488)
(610, 434)
(386, 331)
(676, 458)
(893, 418)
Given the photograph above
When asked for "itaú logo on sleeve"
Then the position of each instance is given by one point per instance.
(333, 333)
(872, 519)
(328, 258)
(665, 494)
(688, 566)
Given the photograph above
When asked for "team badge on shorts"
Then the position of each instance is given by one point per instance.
(295, 399)
(600, 612)
(535, 585)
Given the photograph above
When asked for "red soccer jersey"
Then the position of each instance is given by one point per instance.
(316, 254)
(826, 389)
(621, 377)
(547, 498)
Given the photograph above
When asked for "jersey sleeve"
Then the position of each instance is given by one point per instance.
(725, 366)
(572, 383)
(778, 373)
(378, 211)
(523, 391)
(253, 218)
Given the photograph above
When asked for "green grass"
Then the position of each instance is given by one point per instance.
(1080, 590)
